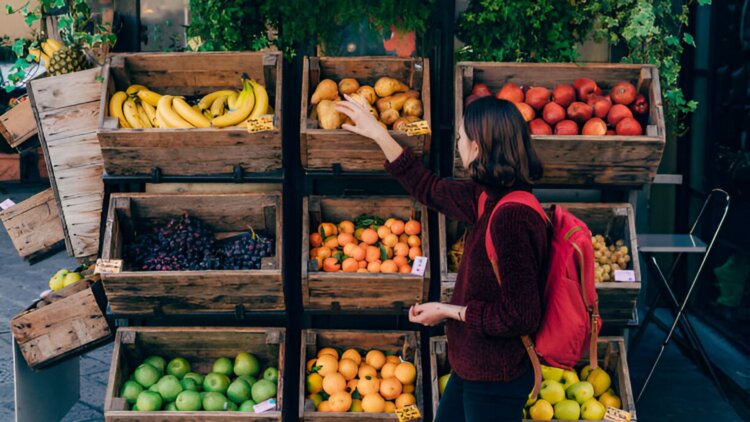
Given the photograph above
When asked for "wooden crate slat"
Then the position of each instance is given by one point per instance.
(34, 225)
(18, 124)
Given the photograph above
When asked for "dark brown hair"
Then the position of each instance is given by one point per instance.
(506, 156)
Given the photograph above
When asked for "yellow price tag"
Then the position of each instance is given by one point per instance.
(420, 127)
(408, 413)
(108, 266)
(617, 415)
(260, 124)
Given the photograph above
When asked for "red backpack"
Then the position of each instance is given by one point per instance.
(570, 320)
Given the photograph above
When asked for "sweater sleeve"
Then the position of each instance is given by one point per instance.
(519, 237)
(456, 199)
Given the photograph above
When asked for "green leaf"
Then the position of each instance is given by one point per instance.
(689, 40)
(704, 2)
(18, 47)
(30, 19)
(99, 79)
(383, 253)
(9, 9)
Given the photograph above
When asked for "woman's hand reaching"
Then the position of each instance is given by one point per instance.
(367, 125)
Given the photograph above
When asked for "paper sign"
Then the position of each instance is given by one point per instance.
(420, 127)
(108, 266)
(617, 415)
(6, 204)
(625, 275)
(265, 406)
(419, 266)
(261, 124)
(408, 413)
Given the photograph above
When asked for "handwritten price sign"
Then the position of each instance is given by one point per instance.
(261, 124)
(408, 413)
(420, 127)
(108, 266)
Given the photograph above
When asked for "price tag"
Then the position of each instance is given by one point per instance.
(6, 204)
(617, 415)
(108, 266)
(261, 124)
(419, 266)
(265, 406)
(627, 276)
(408, 413)
(420, 127)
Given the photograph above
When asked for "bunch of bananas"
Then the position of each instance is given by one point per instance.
(45, 51)
(140, 108)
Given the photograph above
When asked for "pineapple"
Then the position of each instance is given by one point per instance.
(68, 59)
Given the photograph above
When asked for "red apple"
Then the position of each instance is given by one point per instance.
(527, 112)
(595, 126)
(540, 127)
(563, 94)
(585, 88)
(629, 127)
(617, 113)
(640, 105)
(553, 113)
(601, 105)
(610, 132)
(481, 90)
(537, 97)
(511, 92)
(566, 127)
(623, 93)
(470, 99)
(580, 112)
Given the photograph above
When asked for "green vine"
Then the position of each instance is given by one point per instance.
(228, 25)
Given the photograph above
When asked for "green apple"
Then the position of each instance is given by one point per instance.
(189, 384)
(134, 408)
(169, 387)
(146, 375)
(567, 410)
(271, 374)
(247, 406)
(157, 362)
(154, 388)
(189, 401)
(552, 391)
(56, 282)
(71, 278)
(130, 391)
(223, 366)
(569, 378)
(551, 373)
(215, 402)
(217, 383)
(231, 407)
(592, 410)
(248, 379)
(148, 401)
(178, 367)
(580, 391)
(198, 378)
(585, 371)
(238, 391)
(610, 400)
(170, 407)
(541, 411)
(442, 382)
(263, 390)
(246, 364)
(601, 381)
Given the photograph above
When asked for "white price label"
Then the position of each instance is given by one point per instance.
(420, 127)
(627, 276)
(265, 406)
(617, 415)
(419, 266)
(6, 204)
(263, 123)
(108, 266)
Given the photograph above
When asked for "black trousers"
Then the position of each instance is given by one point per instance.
(480, 401)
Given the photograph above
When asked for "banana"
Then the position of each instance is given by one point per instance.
(169, 115)
(135, 88)
(193, 116)
(37, 53)
(207, 114)
(115, 107)
(47, 48)
(150, 112)
(150, 97)
(219, 106)
(144, 117)
(160, 123)
(206, 101)
(54, 44)
(130, 110)
(261, 100)
(242, 111)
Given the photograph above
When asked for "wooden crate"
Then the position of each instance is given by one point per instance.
(137, 152)
(578, 160)
(185, 292)
(403, 343)
(326, 150)
(360, 291)
(614, 221)
(34, 225)
(201, 346)
(18, 124)
(73, 323)
(611, 353)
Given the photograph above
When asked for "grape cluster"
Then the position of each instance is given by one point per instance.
(609, 258)
(245, 252)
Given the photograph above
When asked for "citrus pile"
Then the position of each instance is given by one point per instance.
(350, 383)
(367, 245)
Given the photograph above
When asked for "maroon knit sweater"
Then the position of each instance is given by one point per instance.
(487, 347)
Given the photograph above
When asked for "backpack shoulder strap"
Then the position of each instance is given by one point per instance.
(482, 204)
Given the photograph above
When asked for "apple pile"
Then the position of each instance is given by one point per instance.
(609, 258)
(577, 109)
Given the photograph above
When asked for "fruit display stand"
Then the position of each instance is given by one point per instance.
(353, 291)
(338, 149)
(190, 152)
(18, 124)
(613, 221)
(577, 159)
(201, 346)
(34, 225)
(611, 354)
(193, 292)
(403, 343)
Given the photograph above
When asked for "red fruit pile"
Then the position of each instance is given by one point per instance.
(577, 109)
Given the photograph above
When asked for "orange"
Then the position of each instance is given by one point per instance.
(388, 266)
(358, 233)
(331, 242)
(331, 265)
(362, 266)
(358, 253)
(414, 241)
(327, 229)
(350, 265)
(406, 373)
(310, 365)
(362, 270)
(388, 252)
(397, 227)
(391, 240)
(367, 385)
(389, 222)
(403, 238)
(375, 358)
(414, 252)
(408, 388)
(412, 227)
(401, 249)
(333, 383)
(324, 252)
(400, 261)
(366, 370)
(328, 364)
(313, 253)
(405, 399)
(370, 236)
(406, 269)
(393, 358)
(314, 383)
(352, 354)
(324, 406)
(373, 403)
(316, 399)
(348, 368)
(345, 239)
(328, 351)
(340, 402)
(316, 240)
(351, 386)
(372, 254)
(373, 267)
(388, 370)
(346, 226)
(320, 263)
(390, 407)
(349, 249)
(363, 245)
(356, 406)
(383, 231)
(390, 388)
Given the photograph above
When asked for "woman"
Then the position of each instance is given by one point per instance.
(492, 373)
